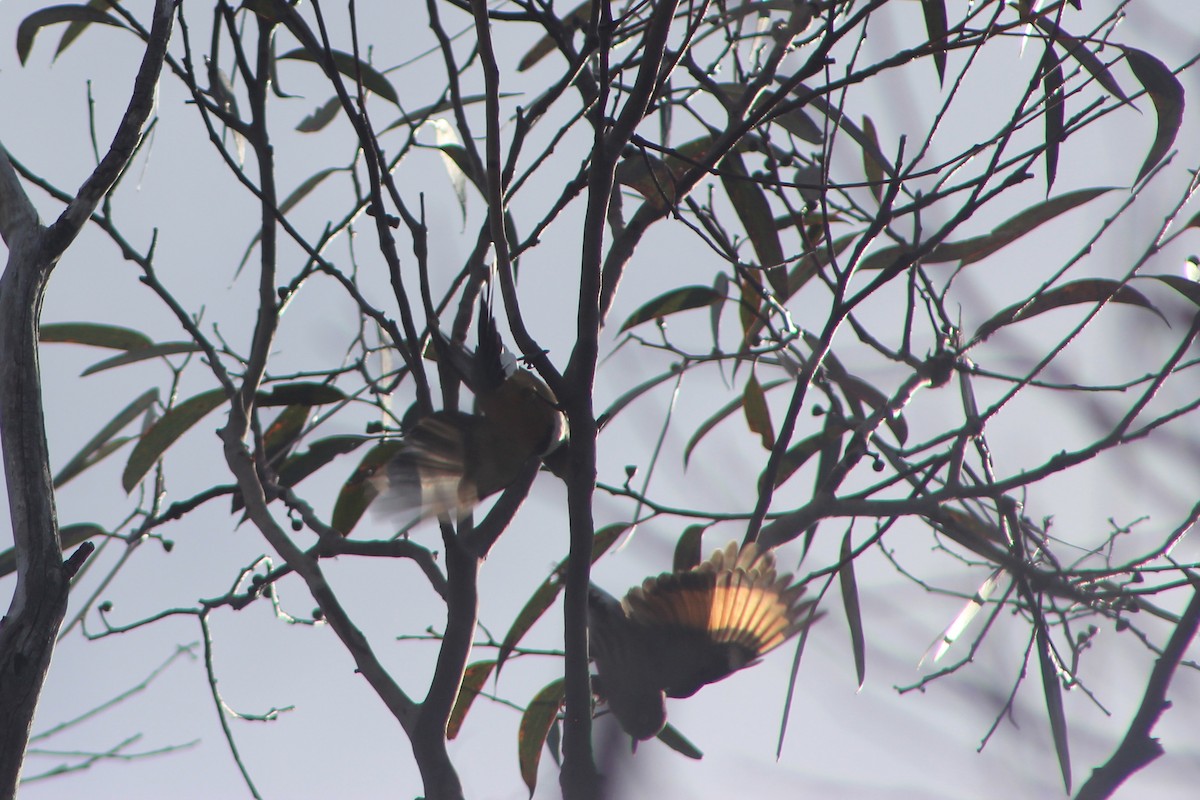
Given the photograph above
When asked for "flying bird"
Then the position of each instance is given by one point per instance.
(451, 460)
(682, 630)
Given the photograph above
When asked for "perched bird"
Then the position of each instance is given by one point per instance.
(682, 630)
(450, 460)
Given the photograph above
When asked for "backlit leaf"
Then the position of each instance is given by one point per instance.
(169, 427)
(1166, 93)
(535, 725)
(352, 68)
(853, 609)
(672, 302)
(111, 336)
(1089, 290)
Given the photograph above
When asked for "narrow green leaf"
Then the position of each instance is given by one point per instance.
(858, 391)
(300, 393)
(976, 249)
(358, 491)
(935, 26)
(29, 27)
(712, 422)
(95, 451)
(1052, 90)
(546, 45)
(624, 400)
(754, 211)
(1187, 288)
(798, 454)
(1054, 704)
(474, 678)
(545, 594)
(351, 67)
(303, 190)
(721, 289)
(758, 413)
(1089, 290)
(853, 610)
(77, 27)
(672, 302)
(69, 536)
(112, 337)
(323, 115)
(535, 725)
(134, 356)
(672, 738)
(689, 550)
(871, 167)
(319, 453)
(165, 432)
(1166, 92)
(1078, 50)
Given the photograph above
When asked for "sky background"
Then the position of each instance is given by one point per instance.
(337, 739)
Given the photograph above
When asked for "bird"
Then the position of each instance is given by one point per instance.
(449, 461)
(680, 631)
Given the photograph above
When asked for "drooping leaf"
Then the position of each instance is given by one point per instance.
(77, 27)
(323, 115)
(682, 299)
(969, 251)
(853, 609)
(818, 103)
(96, 450)
(689, 549)
(300, 393)
(145, 353)
(352, 68)
(169, 427)
(871, 167)
(1166, 92)
(935, 27)
(1078, 50)
(319, 453)
(1054, 705)
(672, 738)
(758, 413)
(716, 418)
(113, 337)
(546, 45)
(29, 27)
(291, 201)
(474, 678)
(624, 400)
(545, 594)
(721, 289)
(750, 204)
(535, 725)
(69, 536)
(1187, 288)
(358, 491)
(1088, 290)
(798, 454)
(859, 391)
(1052, 90)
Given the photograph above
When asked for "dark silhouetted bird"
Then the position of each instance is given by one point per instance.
(450, 460)
(682, 630)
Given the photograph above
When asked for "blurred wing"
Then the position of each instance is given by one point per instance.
(717, 618)
(428, 474)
